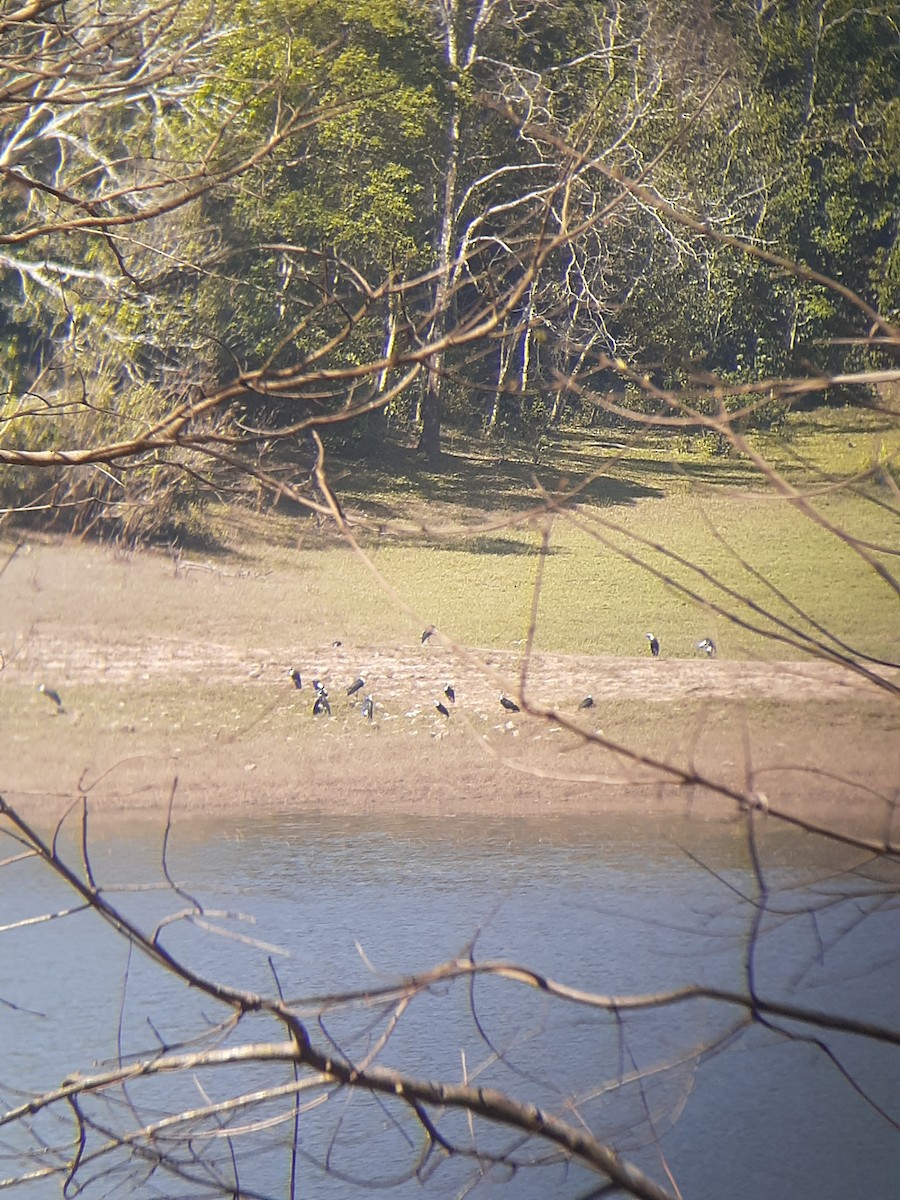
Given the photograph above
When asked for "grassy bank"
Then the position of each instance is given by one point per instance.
(175, 663)
(666, 536)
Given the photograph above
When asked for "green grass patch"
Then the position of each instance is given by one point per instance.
(667, 537)
(828, 444)
(461, 550)
(689, 566)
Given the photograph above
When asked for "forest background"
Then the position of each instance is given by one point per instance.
(225, 230)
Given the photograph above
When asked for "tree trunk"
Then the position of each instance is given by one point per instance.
(379, 417)
(432, 401)
(430, 438)
(503, 361)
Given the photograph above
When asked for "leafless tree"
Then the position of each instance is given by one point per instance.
(261, 1061)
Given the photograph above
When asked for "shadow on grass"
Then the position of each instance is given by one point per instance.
(476, 482)
(493, 545)
(713, 472)
(395, 496)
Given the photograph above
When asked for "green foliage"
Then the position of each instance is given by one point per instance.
(796, 148)
(351, 180)
(351, 183)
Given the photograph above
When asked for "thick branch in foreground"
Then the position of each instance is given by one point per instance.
(490, 1104)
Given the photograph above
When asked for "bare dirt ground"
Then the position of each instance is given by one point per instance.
(170, 681)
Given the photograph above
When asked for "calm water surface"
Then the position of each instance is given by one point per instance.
(610, 905)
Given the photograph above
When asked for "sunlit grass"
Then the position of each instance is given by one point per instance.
(833, 444)
(602, 588)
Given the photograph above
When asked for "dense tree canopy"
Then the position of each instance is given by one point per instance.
(303, 211)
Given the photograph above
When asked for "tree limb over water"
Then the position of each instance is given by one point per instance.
(229, 242)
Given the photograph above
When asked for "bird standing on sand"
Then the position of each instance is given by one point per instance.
(426, 633)
(509, 705)
(450, 693)
(321, 705)
(708, 646)
(368, 708)
(51, 695)
(355, 687)
(587, 702)
(654, 644)
(442, 708)
(295, 677)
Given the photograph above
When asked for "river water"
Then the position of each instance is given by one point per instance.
(612, 905)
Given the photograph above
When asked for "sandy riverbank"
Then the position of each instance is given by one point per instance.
(153, 704)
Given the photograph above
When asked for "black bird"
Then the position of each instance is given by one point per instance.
(318, 685)
(321, 705)
(442, 708)
(368, 708)
(336, 644)
(587, 702)
(450, 693)
(355, 687)
(654, 644)
(708, 646)
(295, 676)
(509, 705)
(51, 695)
(426, 634)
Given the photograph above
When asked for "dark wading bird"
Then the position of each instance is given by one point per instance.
(321, 705)
(356, 687)
(654, 644)
(426, 633)
(587, 702)
(51, 695)
(708, 646)
(509, 705)
(442, 708)
(368, 708)
(450, 693)
(297, 681)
